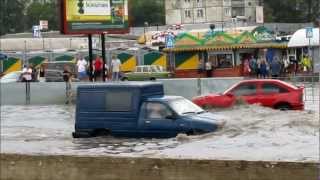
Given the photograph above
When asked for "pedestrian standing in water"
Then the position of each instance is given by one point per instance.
(67, 77)
(27, 78)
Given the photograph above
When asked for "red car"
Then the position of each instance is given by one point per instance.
(267, 92)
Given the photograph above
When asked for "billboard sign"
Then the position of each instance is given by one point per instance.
(43, 24)
(259, 15)
(309, 32)
(94, 16)
(36, 31)
(170, 41)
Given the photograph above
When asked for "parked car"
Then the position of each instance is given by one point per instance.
(147, 72)
(54, 70)
(270, 93)
(14, 76)
(138, 109)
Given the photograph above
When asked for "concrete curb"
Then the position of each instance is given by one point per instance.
(31, 167)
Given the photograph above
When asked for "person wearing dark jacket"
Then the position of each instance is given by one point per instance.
(275, 68)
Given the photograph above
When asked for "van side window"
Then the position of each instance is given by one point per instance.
(155, 111)
(117, 101)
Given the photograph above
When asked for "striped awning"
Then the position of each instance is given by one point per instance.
(228, 47)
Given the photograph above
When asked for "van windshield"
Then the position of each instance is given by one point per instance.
(183, 106)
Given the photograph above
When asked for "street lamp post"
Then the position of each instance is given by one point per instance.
(146, 24)
(212, 27)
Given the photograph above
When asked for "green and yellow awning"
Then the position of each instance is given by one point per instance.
(227, 47)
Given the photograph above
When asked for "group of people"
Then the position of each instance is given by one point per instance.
(97, 69)
(261, 68)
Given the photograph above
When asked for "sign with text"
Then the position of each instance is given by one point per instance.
(94, 16)
(43, 24)
(309, 32)
(36, 31)
(170, 41)
(259, 14)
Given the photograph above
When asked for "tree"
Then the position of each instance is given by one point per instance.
(11, 16)
(43, 11)
(291, 11)
(151, 11)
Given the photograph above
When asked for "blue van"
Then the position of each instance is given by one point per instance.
(138, 109)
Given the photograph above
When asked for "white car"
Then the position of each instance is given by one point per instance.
(11, 77)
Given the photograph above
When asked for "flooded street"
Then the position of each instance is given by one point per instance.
(251, 133)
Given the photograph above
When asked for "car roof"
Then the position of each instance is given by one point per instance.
(59, 62)
(268, 81)
(164, 98)
(147, 65)
(128, 84)
(14, 72)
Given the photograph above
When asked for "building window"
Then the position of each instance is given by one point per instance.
(187, 13)
(187, 1)
(227, 12)
(200, 13)
(237, 11)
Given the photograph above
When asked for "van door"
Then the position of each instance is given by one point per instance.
(156, 119)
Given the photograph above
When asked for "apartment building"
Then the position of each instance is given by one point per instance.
(210, 11)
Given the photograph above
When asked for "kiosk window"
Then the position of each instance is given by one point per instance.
(222, 60)
(118, 101)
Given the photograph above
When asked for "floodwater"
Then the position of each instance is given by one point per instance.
(250, 133)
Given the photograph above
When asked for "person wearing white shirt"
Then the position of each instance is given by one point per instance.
(115, 67)
(27, 74)
(82, 68)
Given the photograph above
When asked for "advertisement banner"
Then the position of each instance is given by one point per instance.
(259, 15)
(43, 24)
(95, 16)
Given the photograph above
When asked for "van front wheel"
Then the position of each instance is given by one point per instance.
(77, 135)
(101, 132)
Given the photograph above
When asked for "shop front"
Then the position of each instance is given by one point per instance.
(222, 53)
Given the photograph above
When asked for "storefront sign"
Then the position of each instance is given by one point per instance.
(309, 32)
(43, 24)
(259, 14)
(169, 41)
(94, 16)
(36, 31)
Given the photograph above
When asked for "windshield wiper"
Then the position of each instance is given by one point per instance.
(189, 112)
(200, 112)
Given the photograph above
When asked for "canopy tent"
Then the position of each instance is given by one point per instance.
(299, 38)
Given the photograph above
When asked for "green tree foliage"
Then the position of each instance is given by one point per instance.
(151, 11)
(11, 16)
(291, 11)
(43, 11)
